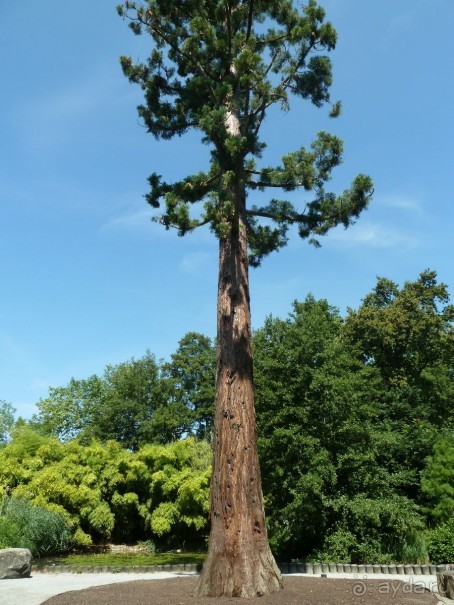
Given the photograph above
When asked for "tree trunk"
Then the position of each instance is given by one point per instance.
(239, 561)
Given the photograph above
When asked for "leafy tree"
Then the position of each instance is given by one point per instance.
(180, 480)
(331, 488)
(407, 335)
(133, 394)
(7, 419)
(191, 375)
(218, 66)
(68, 411)
(297, 471)
(374, 529)
(129, 404)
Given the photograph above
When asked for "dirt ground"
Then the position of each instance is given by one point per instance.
(298, 590)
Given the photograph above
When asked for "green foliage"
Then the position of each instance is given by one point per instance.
(375, 530)
(355, 428)
(191, 375)
(218, 68)
(180, 480)
(138, 401)
(133, 395)
(68, 411)
(147, 546)
(316, 424)
(408, 335)
(437, 481)
(10, 535)
(344, 431)
(24, 525)
(106, 492)
(441, 543)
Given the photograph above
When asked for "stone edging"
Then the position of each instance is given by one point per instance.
(309, 568)
(179, 568)
(401, 569)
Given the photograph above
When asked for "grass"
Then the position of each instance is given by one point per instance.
(122, 559)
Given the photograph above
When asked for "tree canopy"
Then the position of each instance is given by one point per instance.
(218, 62)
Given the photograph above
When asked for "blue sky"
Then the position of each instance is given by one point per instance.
(87, 280)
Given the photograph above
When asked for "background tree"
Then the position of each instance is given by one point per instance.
(437, 485)
(130, 403)
(341, 448)
(68, 411)
(407, 335)
(7, 420)
(218, 66)
(137, 409)
(331, 489)
(191, 375)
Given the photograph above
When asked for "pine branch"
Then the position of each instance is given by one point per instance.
(168, 225)
(261, 213)
(255, 184)
(177, 49)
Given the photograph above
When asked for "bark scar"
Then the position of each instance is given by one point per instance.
(231, 377)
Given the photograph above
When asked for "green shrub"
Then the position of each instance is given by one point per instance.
(437, 483)
(414, 550)
(106, 493)
(380, 530)
(10, 535)
(337, 548)
(441, 543)
(24, 525)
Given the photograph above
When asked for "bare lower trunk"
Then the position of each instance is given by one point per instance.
(239, 561)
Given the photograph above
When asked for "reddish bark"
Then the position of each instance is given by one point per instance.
(239, 561)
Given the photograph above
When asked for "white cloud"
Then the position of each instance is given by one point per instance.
(138, 217)
(132, 219)
(59, 115)
(403, 20)
(195, 262)
(402, 202)
(372, 235)
(401, 25)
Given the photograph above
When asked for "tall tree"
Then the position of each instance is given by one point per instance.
(218, 66)
(407, 334)
(191, 373)
(332, 488)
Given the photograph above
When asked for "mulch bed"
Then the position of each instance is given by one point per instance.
(298, 590)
